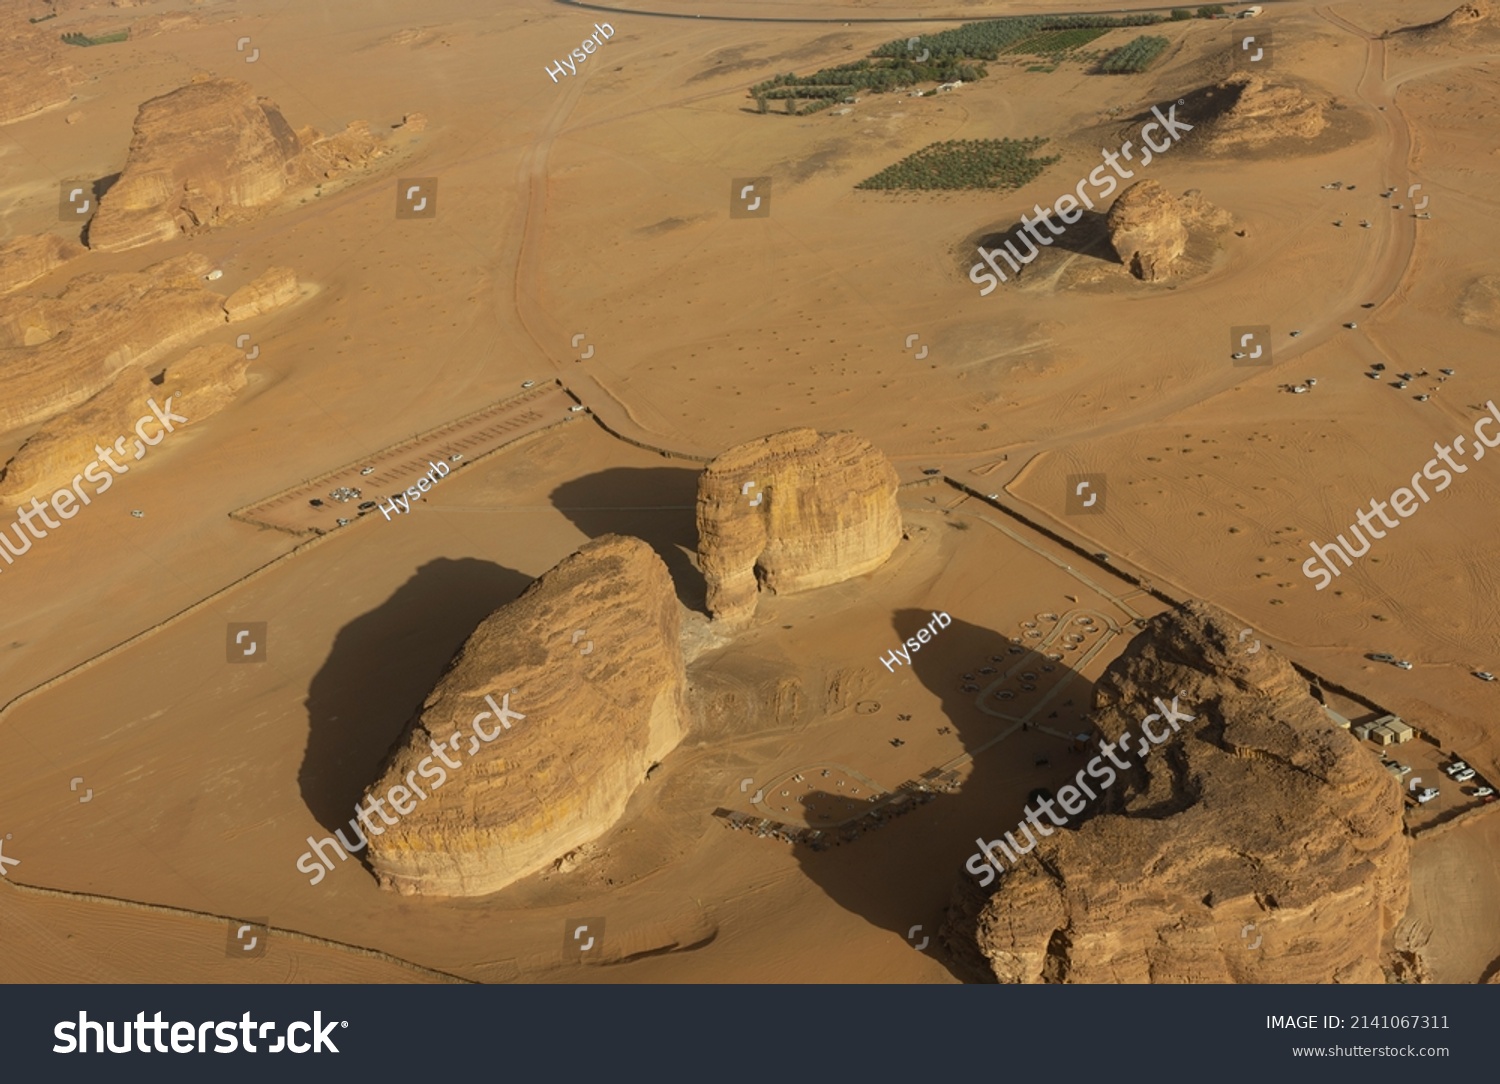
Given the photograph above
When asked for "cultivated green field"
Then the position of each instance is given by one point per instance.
(958, 164)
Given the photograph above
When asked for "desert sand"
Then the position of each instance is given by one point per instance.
(582, 240)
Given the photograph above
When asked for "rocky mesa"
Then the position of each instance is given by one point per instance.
(56, 352)
(1257, 843)
(589, 660)
(1151, 230)
(793, 511)
(209, 153)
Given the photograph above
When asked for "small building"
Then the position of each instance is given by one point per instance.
(1338, 720)
(1381, 735)
(1362, 731)
(1400, 731)
(1251, 12)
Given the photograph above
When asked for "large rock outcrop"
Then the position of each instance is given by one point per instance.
(209, 153)
(1251, 113)
(1151, 230)
(1146, 230)
(793, 511)
(590, 655)
(55, 352)
(1457, 23)
(203, 383)
(37, 74)
(23, 260)
(1258, 843)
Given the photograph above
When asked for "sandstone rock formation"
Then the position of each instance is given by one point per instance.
(205, 380)
(56, 352)
(65, 446)
(37, 72)
(600, 707)
(273, 289)
(1259, 811)
(208, 153)
(23, 260)
(820, 509)
(1146, 230)
(200, 385)
(1150, 229)
(1462, 18)
(1255, 113)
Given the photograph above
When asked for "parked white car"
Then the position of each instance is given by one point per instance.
(1427, 795)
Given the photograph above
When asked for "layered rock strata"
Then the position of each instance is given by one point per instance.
(1258, 843)
(1262, 113)
(23, 260)
(793, 511)
(203, 383)
(36, 72)
(1151, 229)
(1146, 230)
(208, 153)
(55, 352)
(586, 670)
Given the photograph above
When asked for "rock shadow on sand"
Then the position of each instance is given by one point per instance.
(382, 666)
(871, 875)
(658, 505)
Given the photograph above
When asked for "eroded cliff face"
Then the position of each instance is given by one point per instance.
(201, 384)
(56, 352)
(1147, 231)
(793, 511)
(1259, 843)
(23, 260)
(208, 153)
(1263, 112)
(37, 73)
(1151, 230)
(591, 657)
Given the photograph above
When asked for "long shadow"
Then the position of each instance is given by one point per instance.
(930, 842)
(380, 670)
(655, 504)
(1089, 236)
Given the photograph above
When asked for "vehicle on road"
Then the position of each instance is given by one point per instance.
(1381, 656)
(528, 383)
(1484, 675)
(1351, 325)
(1402, 664)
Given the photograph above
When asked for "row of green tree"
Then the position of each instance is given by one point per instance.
(944, 57)
(964, 163)
(986, 40)
(1134, 56)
